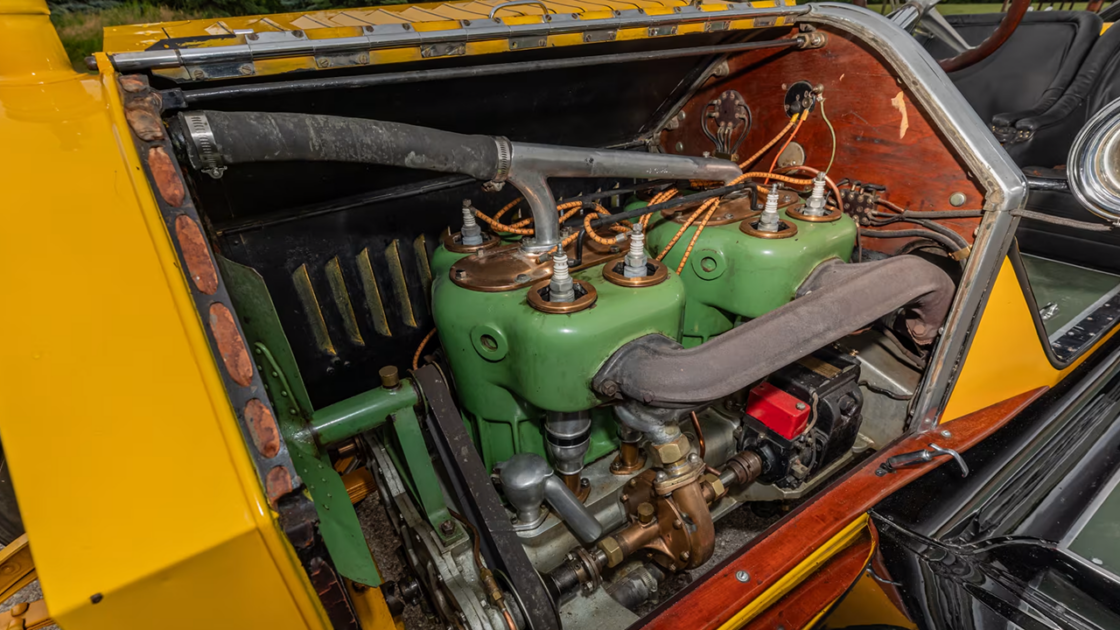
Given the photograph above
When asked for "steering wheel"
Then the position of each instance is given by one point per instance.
(923, 15)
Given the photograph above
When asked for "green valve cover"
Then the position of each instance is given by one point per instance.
(512, 362)
(730, 274)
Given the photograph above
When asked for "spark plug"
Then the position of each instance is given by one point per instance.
(471, 234)
(635, 266)
(814, 206)
(561, 288)
(768, 221)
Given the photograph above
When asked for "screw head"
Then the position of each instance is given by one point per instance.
(946, 434)
(957, 199)
(680, 147)
(800, 406)
(742, 576)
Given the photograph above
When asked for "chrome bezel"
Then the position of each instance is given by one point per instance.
(1094, 164)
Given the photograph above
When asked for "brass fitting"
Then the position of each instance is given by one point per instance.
(718, 488)
(645, 513)
(613, 551)
(670, 452)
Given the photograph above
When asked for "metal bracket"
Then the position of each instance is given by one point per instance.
(915, 458)
(449, 49)
(593, 37)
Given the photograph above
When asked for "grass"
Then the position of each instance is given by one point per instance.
(81, 32)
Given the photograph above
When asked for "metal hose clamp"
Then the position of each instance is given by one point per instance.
(206, 157)
(505, 161)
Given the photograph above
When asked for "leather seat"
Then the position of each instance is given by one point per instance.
(1029, 73)
(1045, 139)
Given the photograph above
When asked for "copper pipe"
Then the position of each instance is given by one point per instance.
(636, 536)
(629, 455)
(699, 434)
(572, 481)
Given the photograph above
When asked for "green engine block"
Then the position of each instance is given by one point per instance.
(731, 275)
(512, 362)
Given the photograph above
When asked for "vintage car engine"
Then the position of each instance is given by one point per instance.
(594, 340)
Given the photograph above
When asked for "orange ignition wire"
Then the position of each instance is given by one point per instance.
(714, 203)
(680, 232)
(781, 178)
(498, 226)
(424, 342)
(591, 231)
(509, 206)
(793, 135)
(754, 158)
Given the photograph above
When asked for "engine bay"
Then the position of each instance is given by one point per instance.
(571, 316)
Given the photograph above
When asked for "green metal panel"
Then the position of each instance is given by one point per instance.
(338, 523)
(730, 274)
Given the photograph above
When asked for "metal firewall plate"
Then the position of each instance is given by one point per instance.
(527, 43)
(449, 49)
(599, 36)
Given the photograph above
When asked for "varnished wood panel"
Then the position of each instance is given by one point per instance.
(822, 589)
(717, 596)
(865, 103)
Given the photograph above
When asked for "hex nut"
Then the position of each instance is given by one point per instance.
(613, 551)
(645, 513)
(670, 452)
(716, 484)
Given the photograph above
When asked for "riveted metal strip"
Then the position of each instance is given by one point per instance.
(446, 37)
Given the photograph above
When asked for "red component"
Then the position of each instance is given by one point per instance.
(782, 412)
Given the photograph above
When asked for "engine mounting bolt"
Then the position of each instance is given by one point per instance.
(769, 221)
(636, 266)
(447, 527)
(561, 288)
(471, 234)
(743, 576)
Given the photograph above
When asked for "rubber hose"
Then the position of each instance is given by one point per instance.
(243, 137)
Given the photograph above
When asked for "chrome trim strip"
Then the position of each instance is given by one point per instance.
(1004, 184)
(294, 43)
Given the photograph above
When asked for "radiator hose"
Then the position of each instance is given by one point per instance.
(220, 139)
(837, 299)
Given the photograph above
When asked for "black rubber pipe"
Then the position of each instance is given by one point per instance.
(837, 299)
(243, 137)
